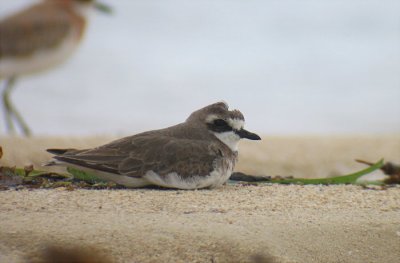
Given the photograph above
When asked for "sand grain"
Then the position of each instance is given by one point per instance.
(289, 223)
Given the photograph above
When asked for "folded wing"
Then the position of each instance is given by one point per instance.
(134, 156)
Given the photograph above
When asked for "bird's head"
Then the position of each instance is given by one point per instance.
(226, 125)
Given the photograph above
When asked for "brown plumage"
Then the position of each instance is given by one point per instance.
(37, 39)
(189, 149)
(40, 27)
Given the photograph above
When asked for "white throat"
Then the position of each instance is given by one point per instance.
(230, 138)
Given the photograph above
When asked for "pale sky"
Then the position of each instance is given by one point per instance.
(291, 67)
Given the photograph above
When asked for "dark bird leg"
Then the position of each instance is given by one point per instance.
(7, 105)
(11, 112)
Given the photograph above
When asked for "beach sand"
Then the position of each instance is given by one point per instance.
(235, 223)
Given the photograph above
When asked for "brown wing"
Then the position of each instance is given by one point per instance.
(134, 156)
(39, 27)
(166, 155)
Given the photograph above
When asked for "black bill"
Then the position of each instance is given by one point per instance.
(247, 135)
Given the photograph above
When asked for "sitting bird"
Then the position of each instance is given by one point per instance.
(198, 153)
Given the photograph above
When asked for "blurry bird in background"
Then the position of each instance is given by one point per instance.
(36, 39)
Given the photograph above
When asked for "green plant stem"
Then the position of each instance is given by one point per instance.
(344, 179)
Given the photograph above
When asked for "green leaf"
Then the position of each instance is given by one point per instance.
(344, 179)
(84, 176)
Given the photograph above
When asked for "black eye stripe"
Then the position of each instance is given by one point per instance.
(219, 125)
(220, 122)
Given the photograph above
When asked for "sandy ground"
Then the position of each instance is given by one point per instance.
(231, 224)
(236, 223)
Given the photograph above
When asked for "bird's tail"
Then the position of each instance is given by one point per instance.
(51, 163)
(57, 152)
(60, 151)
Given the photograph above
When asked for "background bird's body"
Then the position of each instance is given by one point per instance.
(36, 39)
(39, 37)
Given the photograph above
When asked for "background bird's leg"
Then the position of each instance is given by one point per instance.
(11, 111)
(7, 107)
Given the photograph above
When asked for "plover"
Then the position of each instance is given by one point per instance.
(198, 153)
(38, 38)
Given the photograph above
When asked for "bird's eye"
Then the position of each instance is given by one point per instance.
(220, 123)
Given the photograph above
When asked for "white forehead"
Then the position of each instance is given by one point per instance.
(235, 123)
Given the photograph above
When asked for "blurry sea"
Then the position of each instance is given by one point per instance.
(292, 67)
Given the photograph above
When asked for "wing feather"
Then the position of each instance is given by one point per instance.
(134, 156)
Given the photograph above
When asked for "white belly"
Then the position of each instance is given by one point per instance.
(172, 180)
